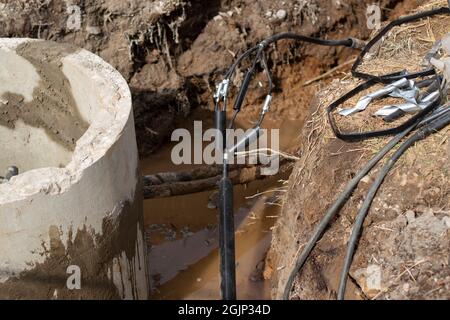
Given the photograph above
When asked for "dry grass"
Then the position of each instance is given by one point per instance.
(422, 170)
(405, 46)
(432, 5)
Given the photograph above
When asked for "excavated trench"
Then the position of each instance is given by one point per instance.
(182, 230)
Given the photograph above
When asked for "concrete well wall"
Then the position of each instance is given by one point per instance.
(66, 121)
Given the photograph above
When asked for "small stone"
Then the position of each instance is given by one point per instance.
(269, 14)
(369, 279)
(410, 216)
(94, 30)
(11, 172)
(404, 180)
(446, 43)
(366, 179)
(281, 14)
(446, 221)
(406, 287)
(373, 277)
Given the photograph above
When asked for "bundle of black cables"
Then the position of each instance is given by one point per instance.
(226, 220)
(427, 124)
(434, 122)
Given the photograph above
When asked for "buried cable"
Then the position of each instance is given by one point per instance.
(434, 126)
(344, 195)
(226, 218)
(401, 131)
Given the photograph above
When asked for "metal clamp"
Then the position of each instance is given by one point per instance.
(358, 44)
(367, 99)
(221, 89)
(266, 104)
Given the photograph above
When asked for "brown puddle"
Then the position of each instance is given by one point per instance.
(182, 230)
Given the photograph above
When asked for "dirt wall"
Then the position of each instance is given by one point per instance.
(403, 251)
(172, 52)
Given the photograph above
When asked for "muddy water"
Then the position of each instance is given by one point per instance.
(182, 231)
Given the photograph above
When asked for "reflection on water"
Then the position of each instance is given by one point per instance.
(182, 235)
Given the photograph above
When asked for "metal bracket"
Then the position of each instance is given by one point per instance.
(221, 89)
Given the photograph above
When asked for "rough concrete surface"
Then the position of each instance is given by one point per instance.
(88, 212)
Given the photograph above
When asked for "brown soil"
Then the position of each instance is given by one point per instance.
(405, 237)
(173, 54)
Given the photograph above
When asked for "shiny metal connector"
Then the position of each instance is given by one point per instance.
(266, 104)
(357, 43)
(250, 137)
(221, 89)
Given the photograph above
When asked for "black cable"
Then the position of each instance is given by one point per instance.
(246, 82)
(401, 130)
(358, 135)
(267, 71)
(228, 76)
(349, 42)
(226, 224)
(340, 201)
(270, 88)
(388, 78)
(233, 119)
(288, 35)
(334, 209)
(421, 134)
(233, 67)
